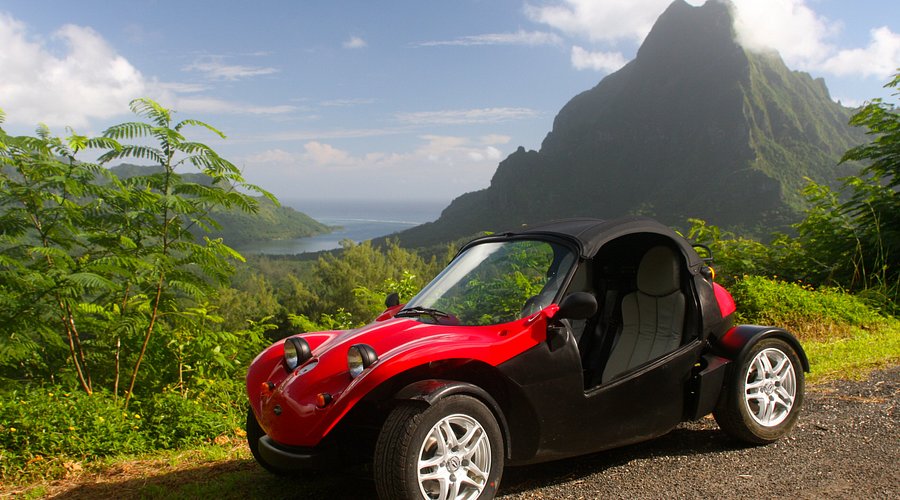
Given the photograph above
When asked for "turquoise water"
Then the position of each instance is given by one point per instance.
(359, 220)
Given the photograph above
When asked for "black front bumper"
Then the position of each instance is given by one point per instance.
(290, 458)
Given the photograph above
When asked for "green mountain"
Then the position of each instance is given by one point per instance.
(694, 126)
(270, 222)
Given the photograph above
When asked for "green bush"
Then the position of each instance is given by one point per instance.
(813, 314)
(173, 421)
(42, 428)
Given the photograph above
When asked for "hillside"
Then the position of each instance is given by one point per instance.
(270, 222)
(694, 126)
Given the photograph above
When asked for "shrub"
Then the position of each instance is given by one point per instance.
(43, 428)
(812, 314)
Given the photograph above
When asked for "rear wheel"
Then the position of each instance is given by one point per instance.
(452, 449)
(763, 395)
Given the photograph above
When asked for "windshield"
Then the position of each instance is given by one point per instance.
(494, 282)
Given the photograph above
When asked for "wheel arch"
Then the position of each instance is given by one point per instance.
(475, 381)
(738, 341)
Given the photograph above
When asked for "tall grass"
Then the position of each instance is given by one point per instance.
(820, 315)
(844, 335)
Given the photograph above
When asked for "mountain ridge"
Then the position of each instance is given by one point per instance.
(694, 126)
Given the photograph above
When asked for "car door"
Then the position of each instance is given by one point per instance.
(553, 417)
(642, 403)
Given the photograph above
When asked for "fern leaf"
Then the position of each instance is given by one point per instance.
(90, 281)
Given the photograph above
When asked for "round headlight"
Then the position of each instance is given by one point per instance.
(360, 357)
(296, 352)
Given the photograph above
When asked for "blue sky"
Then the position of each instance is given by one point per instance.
(396, 99)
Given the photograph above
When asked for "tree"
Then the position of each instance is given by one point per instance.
(851, 237)
(874, 204)
(47, 199)
(114, 258)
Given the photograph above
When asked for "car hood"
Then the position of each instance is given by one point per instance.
(400, 344)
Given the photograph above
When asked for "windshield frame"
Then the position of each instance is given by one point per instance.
(564, 261)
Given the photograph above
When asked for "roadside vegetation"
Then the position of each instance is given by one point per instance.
(124, 334)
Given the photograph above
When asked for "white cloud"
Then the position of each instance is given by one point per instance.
(804, 38)
(494, 139)
(325, 154)
(343, 103)
(355, 42)
(489, 153)
(521, 37)
(600, 20)
(308, 135)
(202, 104)
(214, 68)
(179, 87)
(86, 80)
(789, 26)
(438, 166)
(881, 58)
(441, 149)
(466, 116)
(606, 62)
(271, 156)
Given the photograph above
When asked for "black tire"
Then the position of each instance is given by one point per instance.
(754, 406)
(408, 440)
(254, 432)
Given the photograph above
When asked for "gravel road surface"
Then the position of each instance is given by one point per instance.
(845, 445)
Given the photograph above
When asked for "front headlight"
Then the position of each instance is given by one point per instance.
(360, 357)
(296, 352)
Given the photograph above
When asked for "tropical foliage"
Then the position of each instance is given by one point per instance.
(101, 273)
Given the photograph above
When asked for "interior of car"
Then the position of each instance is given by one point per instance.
(646, 306)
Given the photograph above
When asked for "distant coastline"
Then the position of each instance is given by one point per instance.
(356, 220)
(400, 211)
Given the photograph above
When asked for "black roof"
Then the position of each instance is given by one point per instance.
(589, 234)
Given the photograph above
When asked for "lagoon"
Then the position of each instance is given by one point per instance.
(357, 220)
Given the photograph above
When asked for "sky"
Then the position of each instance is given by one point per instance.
(401, 100)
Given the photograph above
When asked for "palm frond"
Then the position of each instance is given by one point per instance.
(133, 151)
(128, 130)
(152, 110)
(198, 123)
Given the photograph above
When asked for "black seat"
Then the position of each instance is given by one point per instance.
(652, 316)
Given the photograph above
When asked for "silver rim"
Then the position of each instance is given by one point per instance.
(770, 387)
(455, 459)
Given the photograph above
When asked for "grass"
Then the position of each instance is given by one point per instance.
(844, 336)
(854, 356)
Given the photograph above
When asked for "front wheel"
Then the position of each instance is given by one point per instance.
(452, 449)
(763, 396)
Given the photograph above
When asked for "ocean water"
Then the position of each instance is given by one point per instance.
(358, 220)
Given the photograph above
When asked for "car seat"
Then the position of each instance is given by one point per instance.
(652, 316)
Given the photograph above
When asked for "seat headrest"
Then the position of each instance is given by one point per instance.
(659, 272)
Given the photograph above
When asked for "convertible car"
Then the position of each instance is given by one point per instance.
(552, 341)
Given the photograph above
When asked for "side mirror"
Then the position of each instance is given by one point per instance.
(392, 300)
(578, 305)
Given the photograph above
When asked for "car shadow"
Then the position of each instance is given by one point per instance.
(690, 439)
(231, 479)
(244, 479)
